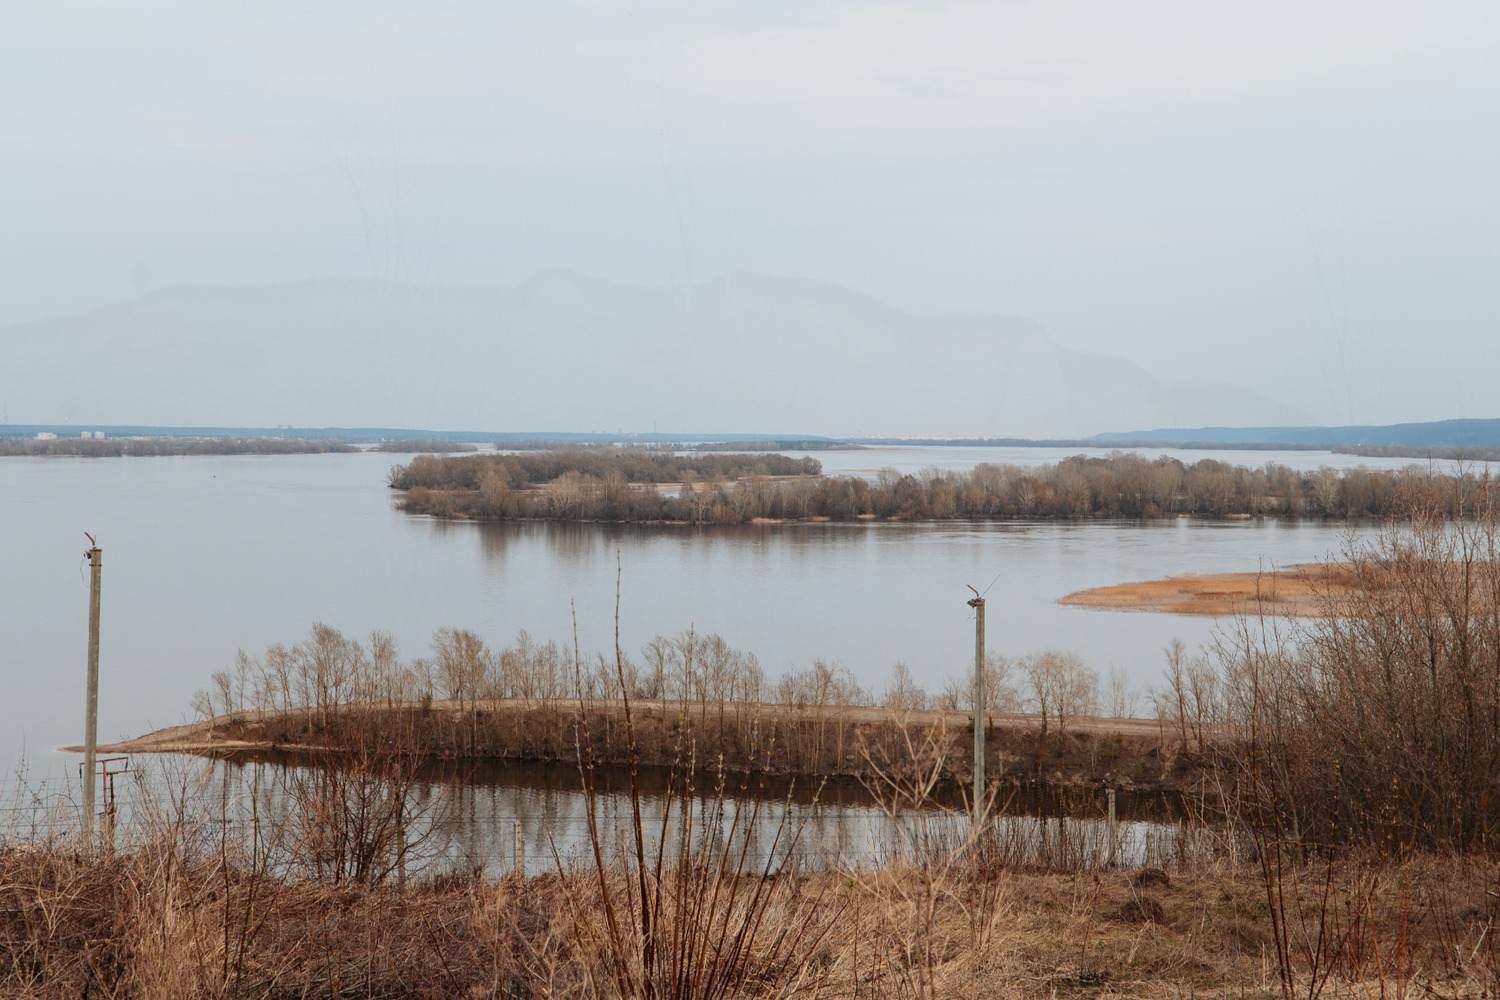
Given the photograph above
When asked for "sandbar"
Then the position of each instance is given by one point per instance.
(1309, 590)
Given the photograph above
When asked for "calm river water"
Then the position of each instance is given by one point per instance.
(206, 555)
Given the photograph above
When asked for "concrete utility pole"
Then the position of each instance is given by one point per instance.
(1112, 826)
(977, 603)
(91, 719)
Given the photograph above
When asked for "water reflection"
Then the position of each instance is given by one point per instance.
(466, 817)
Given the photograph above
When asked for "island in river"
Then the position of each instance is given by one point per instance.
(855, 741)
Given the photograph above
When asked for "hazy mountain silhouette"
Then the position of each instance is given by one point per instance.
(1464, 433)
(741, 352)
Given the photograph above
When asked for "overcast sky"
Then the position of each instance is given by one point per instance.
(1297, 196)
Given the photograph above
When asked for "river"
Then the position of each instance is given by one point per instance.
(205, 555)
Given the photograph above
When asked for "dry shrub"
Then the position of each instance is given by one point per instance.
(1140, 909)
(680, 912)
(1379, 723)
(354, 815)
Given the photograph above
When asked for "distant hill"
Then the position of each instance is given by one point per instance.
(741, 352)
(1436, 434)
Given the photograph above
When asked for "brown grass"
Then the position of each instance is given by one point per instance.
(1298, 591)
(150, 923)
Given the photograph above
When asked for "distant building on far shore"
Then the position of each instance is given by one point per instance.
(45, 436)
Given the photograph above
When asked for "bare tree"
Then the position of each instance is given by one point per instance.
(494, 489)
(658, 655)
(1191, 702)
(1059, 687)
(1326, 490)
(460, 659)
(1121, 699)
(1000, 693)
(903, 694)
(1171, 704)
(325, 667)
(568, 492)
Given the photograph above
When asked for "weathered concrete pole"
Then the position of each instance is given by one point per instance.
(91, 718)
(977, 603)
(1113, 827)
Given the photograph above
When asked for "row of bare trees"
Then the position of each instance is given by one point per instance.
(742, 488)
(632, 465)
(328, 669)
(304, 692)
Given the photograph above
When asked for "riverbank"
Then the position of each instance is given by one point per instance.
(1130, 754)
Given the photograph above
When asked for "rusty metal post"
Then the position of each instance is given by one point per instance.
(91, 716)
(979, 708)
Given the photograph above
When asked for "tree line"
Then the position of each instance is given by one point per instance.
(630, 465)
(329, 669)
(1467, 453)
(116, 447)
(412, 445)
(301, 692)
(625, 485)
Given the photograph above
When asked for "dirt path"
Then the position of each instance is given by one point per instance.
(226, 734)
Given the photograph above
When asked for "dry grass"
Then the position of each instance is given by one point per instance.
(1299, 591)
(162, 922)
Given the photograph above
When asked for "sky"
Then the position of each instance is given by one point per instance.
(1294, 196)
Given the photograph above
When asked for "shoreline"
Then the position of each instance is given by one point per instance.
(1127, 754)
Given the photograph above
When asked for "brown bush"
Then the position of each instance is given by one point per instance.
(1379, 723)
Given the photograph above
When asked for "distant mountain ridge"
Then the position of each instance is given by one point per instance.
(743, 352)
(1478, 433)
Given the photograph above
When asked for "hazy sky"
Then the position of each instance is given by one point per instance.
(1298, 196)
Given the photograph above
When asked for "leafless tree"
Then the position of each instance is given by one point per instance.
(1326, 490)
(1121, 699)
(1059, 687)
(903, 694)
(1000, 693)
(461, 660)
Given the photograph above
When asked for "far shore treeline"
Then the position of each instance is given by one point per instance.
(627, 485)
(116, 447)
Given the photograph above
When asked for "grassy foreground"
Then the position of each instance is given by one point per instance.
(165, 921)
